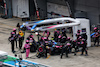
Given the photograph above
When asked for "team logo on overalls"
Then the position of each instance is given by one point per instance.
(21, 33)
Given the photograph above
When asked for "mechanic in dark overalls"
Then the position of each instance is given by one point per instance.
(56, 34)
(84, 46)
(65, 49)
(96, 36)
(11, 39)
(14, 30)
(64, 32)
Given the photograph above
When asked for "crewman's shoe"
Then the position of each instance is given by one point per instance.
(27, 57)
(61, 57)
(81, 54)
(45, 56)
(86, 54)
(97, 45)
(16, 47)
(13, 51)
(74, 54)
(66, 56)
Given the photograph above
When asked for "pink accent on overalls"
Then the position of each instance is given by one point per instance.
(47, 33)
(78, 33)
(58, 46)
(78, 42)
(57, 31)
(59, 36)
(32, 36)
(43, 33)
(68, 44)
(82, 42)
